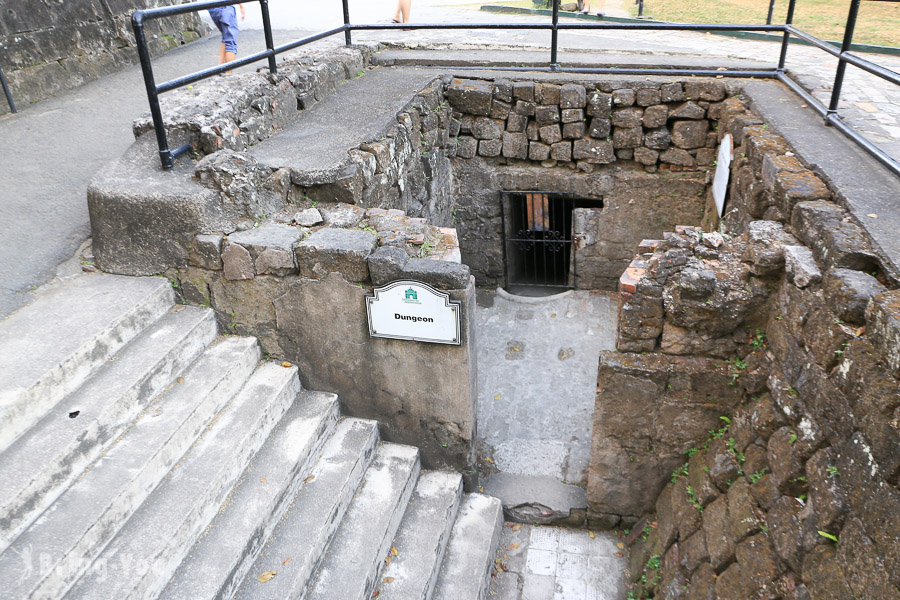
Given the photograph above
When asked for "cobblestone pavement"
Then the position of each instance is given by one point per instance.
(553, 563)
(869, 103)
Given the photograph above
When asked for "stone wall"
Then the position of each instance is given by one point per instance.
(791, 492)
(642, 149)
(48, 47)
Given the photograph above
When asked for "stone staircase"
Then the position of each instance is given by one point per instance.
(145, 456)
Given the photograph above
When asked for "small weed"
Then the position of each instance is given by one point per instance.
(680, 471)
(828, 536)
(764, 528)
(692, 498)
(833, 472)
(779, 318)
(692, 451)
(758, 340)
(838, 322)
(653, 562)
(754, 477)
(360, 74)
(793, 437)
(792, 392)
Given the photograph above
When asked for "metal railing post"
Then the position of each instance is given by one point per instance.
(554, 37)
(771, 11)
(347, 37)
(640, 8)
(787, 36)
(165, 155)
(842, 62)
(9, 99)
(267, 31)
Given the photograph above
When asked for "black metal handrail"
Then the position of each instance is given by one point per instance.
(6, 92)
(829, 112)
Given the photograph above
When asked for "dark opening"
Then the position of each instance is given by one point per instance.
(538, 236)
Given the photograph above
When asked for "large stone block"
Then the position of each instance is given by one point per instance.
(690, 134)
(594, 151)
(515, 145)
(572, 95)
(883, 327)
(470, 96)
(332, 250)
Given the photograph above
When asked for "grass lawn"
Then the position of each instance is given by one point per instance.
(877, 23)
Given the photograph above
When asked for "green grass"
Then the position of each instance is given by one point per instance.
(878, 22)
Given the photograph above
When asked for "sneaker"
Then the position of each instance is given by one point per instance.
(585, 11)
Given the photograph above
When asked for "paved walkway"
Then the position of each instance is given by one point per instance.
(551, 563)
(51, 149)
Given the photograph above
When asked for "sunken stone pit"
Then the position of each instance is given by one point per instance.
(752, 401)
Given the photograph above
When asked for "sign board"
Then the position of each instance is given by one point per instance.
(723, 171)
(410, 310)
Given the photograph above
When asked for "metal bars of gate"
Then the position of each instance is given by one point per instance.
(541, 227)
(167, 157)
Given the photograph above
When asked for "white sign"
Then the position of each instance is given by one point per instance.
(723, 171)
(409, 310)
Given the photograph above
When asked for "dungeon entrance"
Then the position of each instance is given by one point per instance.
(538, 239)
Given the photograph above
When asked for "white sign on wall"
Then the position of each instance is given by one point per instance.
(723, 171)
(409, 310)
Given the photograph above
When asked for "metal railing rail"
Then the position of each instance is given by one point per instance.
(6, 92)
(829, 112)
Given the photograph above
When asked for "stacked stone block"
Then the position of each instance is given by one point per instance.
(585, 125)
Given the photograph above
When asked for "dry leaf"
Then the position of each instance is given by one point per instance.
(873, 215)
(513, 547)
(308, 479)
(497, 397)
(394, 550)
(263, 480)
(553, 315)
(517, 527)
(591, 533)
(481, 488)
(388, 579)
(181, 380)
(620, 545)
(388, 560)
(286, 364)
(376, 593)
(488, 459)
(618, 554)
(287, 561)
(266, 576)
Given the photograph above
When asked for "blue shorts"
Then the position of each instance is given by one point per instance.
(225, 19)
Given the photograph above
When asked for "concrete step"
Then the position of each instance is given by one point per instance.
(51, 346)
(230, 545)
(466, 572)
(89, 513)
(422, 537)
(361, 544)
(141, 559)
(300, 539)
(42, 463)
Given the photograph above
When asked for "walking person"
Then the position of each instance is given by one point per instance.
(587, 7)
(225, 18)
(402, 14)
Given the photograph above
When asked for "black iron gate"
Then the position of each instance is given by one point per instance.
(538, 233)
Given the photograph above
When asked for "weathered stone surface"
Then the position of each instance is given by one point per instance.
(703, 581)
(646, 156)
(206, 252)
(538, 151)
(546, 115)
(470, 96)
(547, 93)
(259, 239)
(677, 156)
(690, 134)
(824, 575)
(687, 110)
(722, 464)
(743, 512)
(500, 110)
(237, 262)
(341, 215)
(655, 116)
(623, 97)
(599, 104)
(718, 534)
(484, 128)
(525, 109)
(386, 264)
(438, 273)
(572, 115)
(657, 139)
(561, 151)
(593, 151)
(524, 90)
(704, 90)
(336, 250)
(490, 147)
(467, 146)
(801, 266)
(275, 261)
(600, 127)
(883, 327)
(572, 95)
(515, 123)
(627, 137)
(308, 217)
(550, 134)
(573, 131)
(627, 117)
(848, 293)
(323, 329)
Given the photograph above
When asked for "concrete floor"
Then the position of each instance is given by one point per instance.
(552, 563)
(537, 374)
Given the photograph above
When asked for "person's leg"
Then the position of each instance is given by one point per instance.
(229, 35)
(586, 7)
(402, 15)
(222, 53)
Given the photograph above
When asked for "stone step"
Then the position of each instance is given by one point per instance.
(466, 572)
(300, 539)
(422, 537)
(144, 555)
(95, 507)
(225, 553)
(42, 463)
(51, 346)
(361, 544)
